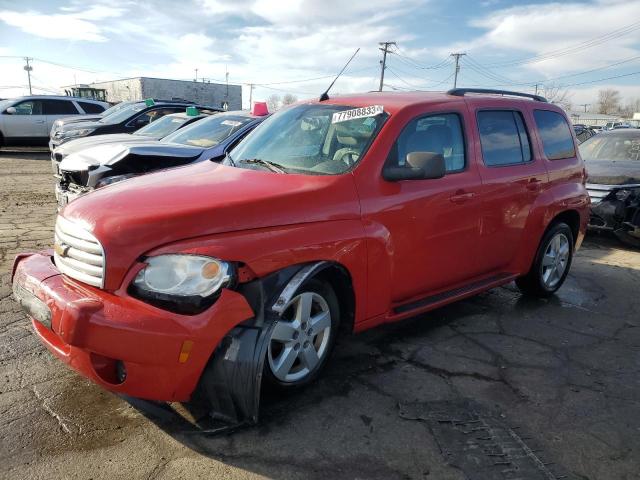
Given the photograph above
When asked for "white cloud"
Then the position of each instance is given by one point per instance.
(73, 25)
(540, 29)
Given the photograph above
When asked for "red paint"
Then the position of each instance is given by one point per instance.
(400, 241)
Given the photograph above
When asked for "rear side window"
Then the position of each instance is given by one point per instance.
(557, 141)
(503, 137)
(59, 107)
(440, 133)
(91, 107)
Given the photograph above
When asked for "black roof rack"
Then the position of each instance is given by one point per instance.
(460, 92)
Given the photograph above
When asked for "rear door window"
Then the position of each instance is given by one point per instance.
(441, 133)
(91, 107)
(59, 107)
(503, 137)
(555, 132)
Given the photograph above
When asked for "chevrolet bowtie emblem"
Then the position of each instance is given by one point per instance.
(61, 249)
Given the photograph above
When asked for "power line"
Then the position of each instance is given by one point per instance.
(595, 41)
(411, 62)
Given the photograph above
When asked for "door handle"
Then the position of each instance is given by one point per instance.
(461, 197)
(534, 184)
(39, 121)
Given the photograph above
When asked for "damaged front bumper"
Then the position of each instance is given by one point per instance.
(137, 350)
(616, 208)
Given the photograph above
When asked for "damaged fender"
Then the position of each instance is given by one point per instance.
(232, 379)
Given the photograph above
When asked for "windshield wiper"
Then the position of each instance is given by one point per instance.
(273, 166)
(231, 160)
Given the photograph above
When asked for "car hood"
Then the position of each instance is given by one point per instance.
(77, 118)
(137, 215)
(81, 123)
(83, 143)
(110, 154)
(614, 172)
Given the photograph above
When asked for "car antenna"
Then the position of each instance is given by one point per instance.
(325, 95)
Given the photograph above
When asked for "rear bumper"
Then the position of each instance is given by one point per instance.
(101, 334)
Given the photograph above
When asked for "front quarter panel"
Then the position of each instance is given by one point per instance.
(268, 250)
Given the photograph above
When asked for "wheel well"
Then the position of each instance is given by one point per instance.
(571, 218)
(340, 279)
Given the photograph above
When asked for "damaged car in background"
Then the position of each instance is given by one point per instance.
(612, 159)
(128, 119)
(207, 139)
(154, 131)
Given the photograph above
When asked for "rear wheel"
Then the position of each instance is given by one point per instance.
(303, 337)
(551, 264)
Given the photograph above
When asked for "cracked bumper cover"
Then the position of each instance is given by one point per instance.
(83, 325)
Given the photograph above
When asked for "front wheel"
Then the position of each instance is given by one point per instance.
(303, 337)
(551, 264)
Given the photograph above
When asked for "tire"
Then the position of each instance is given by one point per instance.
(551, 264)
(296, 355)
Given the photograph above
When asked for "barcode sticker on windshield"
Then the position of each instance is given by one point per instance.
(231, 123)
(362, 112)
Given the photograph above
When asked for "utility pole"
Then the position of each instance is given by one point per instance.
(537, 88)
(457, 57)
(250, 95)
(196, 75)
(585, 105)
(385, 49)
(226, 73)
(28, 69)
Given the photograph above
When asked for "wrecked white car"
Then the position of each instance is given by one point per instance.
(612, 159)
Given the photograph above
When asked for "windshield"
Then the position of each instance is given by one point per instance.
(314, 139)
(210, 131)
(163, 126)
(123, 113)
(611, 146)
(115, 108)
(5, 104)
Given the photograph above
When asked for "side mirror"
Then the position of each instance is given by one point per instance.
(11, 110)
(420, 166)
(431, 163)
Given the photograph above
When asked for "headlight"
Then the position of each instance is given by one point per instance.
(182, 283)
(116, 178)
(81, 132)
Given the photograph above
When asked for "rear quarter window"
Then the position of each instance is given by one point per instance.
(555, 133)
(91, 107)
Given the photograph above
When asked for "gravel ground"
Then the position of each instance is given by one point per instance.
(495, 387)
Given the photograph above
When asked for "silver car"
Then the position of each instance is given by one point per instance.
(28, 120)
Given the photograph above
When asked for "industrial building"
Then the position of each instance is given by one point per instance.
(207, 93)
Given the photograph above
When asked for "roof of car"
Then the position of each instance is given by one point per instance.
(395, 101)
(58, 97)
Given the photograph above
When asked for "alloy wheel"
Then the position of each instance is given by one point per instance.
(300, 339)
(555, 260)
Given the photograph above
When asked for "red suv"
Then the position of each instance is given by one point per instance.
(348, 212)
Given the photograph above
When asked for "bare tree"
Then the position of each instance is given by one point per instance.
(632, 106)
(288, 99)
(556, 95)
(608, 101)
(274, 102)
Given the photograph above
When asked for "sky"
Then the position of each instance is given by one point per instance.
(296, 46)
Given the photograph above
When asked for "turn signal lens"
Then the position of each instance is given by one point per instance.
(211, 270)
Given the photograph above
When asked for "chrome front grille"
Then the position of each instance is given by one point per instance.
(78, 254)
(598, 192)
